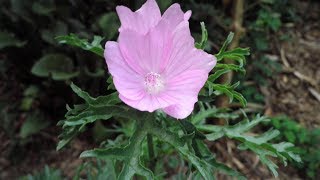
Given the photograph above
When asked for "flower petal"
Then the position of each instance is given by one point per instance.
(127, 82)
(185, 56)
(174, 15)
(187, 15)
(146, 53)
(142, 20)
(185, 88)
(146, 103)
(179, 111)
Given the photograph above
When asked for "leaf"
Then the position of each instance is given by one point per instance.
(232, 67)
(74, 40)
(202, 166)
(211, 112)
(130, 154)
(110, 82)
(221, 69)
(109, 24)
(217, 74)
(110, 99)
(263, 156)
(180, 144)
(58, 28)
(99, 72)
(100, 108)
(224, 46)
(46, 174)
(33, 125)
(237, 54)
(227, 90)
(58, 66)
(240, 98)
(202, 114)
(43, 8)
(204, 37)
(203, 153)
(191, 129)
(67, 135)
(31, 91)
(258, 144)
(8, 40)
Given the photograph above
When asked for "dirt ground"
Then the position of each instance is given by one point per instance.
(296, 90)
(34, 159)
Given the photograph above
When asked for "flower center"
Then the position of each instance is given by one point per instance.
(153, 82)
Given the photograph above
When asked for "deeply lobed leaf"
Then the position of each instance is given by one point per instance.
(258, 144)
(74, 40)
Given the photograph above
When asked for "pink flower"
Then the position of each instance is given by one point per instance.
(154, 64)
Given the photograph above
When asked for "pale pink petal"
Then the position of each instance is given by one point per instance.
(180, 111)
(187, 15)
(155, 65)
(174, 15)
(185, 88)
(142, 20)
(185, 56)
(126, 81)
(146, 103)
(146, 53)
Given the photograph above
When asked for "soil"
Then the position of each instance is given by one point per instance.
(40, 152)
(296, 90)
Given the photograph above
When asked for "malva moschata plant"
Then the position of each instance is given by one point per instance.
(161, 75)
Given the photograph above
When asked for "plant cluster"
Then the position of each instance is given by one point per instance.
(139, 153)
(306, 141)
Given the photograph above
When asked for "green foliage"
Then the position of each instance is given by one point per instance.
(74, 40)
(46, 174)
(97, 171)
(164, 4)
(94, 170)
(30, 95)
(306, 141)
(227, 90)
(58, 29)
(238, 55)
(187, 141)
(8, 39)
(204, 37)
(101, 108)
(267, 19)
(33, 124)
(109, 24)
(184, 137)
(130, 154)
(264, 23)
(50, 65)
(267, 68)
(258, 144)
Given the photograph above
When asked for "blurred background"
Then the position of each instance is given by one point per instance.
(282, 79)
